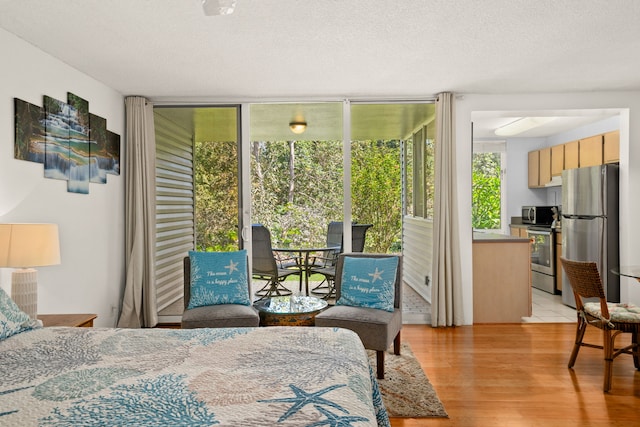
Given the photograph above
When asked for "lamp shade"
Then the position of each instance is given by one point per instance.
(29, 245)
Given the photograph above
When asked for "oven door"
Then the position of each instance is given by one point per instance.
(542, 251)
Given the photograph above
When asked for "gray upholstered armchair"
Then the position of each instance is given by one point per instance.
(216, 316)
(377, 328)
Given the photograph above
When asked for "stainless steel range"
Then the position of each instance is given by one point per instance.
(543, 258)
(543, 245)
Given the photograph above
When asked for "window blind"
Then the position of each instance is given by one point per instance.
(174, 207)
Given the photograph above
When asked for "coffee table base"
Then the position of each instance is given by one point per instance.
(298, 319)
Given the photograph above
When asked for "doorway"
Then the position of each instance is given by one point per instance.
(219, 132)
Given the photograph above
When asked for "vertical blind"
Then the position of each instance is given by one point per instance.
(174, 207)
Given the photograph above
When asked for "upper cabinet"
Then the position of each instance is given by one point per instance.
(557, 160)
(551, 161)
(591, 151)
(571, 150)
(534, 169)
(545, 166)
(612, 147)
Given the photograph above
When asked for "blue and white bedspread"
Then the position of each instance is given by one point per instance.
(197, 377)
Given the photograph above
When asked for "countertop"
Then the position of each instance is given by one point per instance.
(497, 238)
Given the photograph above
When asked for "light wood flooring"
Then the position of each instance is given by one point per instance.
(516, 375)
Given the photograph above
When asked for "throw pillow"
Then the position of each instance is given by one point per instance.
(12, 319)
(368, 282)
(218, 278)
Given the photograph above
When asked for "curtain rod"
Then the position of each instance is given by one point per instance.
(187, 101)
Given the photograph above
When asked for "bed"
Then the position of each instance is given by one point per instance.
(198, 377)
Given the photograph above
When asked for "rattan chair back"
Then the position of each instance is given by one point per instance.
(586, 282)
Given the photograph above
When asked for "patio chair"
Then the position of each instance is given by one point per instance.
(218, 315)
(377, 327)
(612, 318)
(265, 266)
(326, 288)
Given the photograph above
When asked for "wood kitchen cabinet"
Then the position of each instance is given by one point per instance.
(517, 231)
(501, 280)
(611, 152)
(534, 169)
(551, 161)
(557, 160)
(571, 151)
(591, 151)
(544, 174)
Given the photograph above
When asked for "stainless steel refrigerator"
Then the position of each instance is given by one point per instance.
(590, 224)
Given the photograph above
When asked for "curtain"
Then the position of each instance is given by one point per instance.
(446, 293)
(139, 302)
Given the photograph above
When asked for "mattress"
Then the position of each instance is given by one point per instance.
(197, 377)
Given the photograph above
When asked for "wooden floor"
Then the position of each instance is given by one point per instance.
(516, 375)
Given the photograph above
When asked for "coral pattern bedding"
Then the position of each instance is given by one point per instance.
(198, 377)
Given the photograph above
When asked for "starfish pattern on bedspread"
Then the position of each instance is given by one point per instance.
(334, 420)
(304, 398)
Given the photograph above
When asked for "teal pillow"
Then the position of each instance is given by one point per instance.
(12, 319)
(368, 282)
(218, 278)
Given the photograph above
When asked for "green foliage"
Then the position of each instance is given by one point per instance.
(296, 199)
(376, 191)
(216, 184)
(486, 200)
(297, 189)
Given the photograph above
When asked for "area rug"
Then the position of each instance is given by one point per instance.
(406, 390)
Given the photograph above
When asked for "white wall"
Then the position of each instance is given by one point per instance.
(91, 275)
(628, 104)
(517, 177)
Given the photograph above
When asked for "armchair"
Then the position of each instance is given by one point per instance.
(218, 315)
(376, 327)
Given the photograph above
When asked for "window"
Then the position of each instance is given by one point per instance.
(487, 186)
(420, 179)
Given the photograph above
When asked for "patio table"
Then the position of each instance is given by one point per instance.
(303, 256)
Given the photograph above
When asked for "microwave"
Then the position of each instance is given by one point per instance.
(538, 215)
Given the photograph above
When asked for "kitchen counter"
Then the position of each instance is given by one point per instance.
(497, 238)
(501, 278)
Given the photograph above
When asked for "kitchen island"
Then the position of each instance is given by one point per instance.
(501, 278)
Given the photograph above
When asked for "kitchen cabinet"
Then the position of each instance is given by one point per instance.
(544, 174)
(611, 152)
(557, 160)
(548, 162)
(534, 169)
(558, 263)
(518, 231)
(591, 151)
(501, 279)
(571, 150)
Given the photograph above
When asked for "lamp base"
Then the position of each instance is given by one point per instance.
(24, 290)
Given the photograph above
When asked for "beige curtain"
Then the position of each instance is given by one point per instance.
(446, 293)
(139, 307)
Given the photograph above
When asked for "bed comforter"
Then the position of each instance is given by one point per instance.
(198, 377)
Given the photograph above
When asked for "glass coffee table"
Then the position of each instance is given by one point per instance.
(291, 310)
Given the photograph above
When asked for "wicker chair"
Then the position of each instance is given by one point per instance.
(612, 318)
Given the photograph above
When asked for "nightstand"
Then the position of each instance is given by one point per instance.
(75, 320)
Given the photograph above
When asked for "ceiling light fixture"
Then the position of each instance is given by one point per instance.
(218, 7)
(298, 127)
(522, 125)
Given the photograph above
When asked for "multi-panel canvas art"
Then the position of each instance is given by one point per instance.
(72, 144)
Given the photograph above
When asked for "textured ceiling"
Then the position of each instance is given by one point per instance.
(329, 50)
(321, 49)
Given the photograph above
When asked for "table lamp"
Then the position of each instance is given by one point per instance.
(24, 246)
